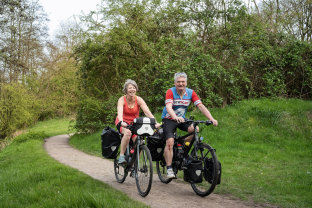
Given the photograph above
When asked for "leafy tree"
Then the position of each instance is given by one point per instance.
(17, 108)
(227, 53)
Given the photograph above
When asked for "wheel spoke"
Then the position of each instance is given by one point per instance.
(144, 171)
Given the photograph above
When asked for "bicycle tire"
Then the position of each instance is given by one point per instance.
(161, 168)
(144, 171)
(205, 188)
(120, 171)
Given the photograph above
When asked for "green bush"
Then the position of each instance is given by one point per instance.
(31, 135)
(17, 108)
(94, 113)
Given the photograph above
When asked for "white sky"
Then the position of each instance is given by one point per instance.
(61, 10)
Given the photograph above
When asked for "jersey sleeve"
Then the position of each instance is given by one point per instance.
(169, 97)
(195, 99)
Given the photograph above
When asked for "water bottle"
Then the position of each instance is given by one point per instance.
(130, 154)
(186, 145)
(180, 151)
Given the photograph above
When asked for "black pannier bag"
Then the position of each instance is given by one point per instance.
(110, 142)
(156, 144)
(193, 173)
(144, 126)
(209, 169)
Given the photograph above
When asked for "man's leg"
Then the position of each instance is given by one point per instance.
(168, 152)
(190, 130)
(169, 127)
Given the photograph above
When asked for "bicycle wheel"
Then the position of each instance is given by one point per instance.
(161, 168)
(120, 171)
(144, 171)
(206, 153)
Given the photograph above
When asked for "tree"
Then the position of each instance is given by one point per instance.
(22, 39)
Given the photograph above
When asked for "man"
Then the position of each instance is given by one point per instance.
(178, 99)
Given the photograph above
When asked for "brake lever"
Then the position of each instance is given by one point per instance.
(129, 127)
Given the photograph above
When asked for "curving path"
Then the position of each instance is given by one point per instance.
(161, 195)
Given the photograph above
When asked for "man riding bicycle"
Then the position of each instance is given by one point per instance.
(177, 101)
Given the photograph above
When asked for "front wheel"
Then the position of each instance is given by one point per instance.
(207, 155)
(144, 171)
(120, 172)
(161, 168)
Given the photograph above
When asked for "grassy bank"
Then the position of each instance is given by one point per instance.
(53, 127)
(264, 147)
(29, 177)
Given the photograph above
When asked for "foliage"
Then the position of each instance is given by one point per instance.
(57, 92)
(93, 114)
(34, 84)
(227, 53)
(30, 135)
(17, 108)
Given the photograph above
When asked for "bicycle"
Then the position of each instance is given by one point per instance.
(200, 151)
(139, 164)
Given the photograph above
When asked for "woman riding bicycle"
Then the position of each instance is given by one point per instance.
(128, 108)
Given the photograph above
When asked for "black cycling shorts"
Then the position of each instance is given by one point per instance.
(170, 126)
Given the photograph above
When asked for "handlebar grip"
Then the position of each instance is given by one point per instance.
(209, 123)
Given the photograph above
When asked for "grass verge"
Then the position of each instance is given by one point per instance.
(29, 177)
(53, 127)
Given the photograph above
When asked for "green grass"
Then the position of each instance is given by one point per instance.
(29, 177)
(264, 146)
(53, 127)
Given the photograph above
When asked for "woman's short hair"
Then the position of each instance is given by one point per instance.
(132, 82)
(180, 74)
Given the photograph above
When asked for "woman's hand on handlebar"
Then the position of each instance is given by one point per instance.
(123, 124)
(157, 125)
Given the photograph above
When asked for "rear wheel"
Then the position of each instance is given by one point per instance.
(161, 168)
(120, 172)
(207, 155)
(144, 171)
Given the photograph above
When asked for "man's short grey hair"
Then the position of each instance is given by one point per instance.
(180, 74)
(132, 82)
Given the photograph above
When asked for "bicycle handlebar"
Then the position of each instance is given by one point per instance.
(198, 121)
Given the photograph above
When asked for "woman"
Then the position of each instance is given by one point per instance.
(128, 109)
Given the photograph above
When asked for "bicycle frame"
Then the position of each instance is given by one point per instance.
(194, 140)
(135, 156)
(193, 143)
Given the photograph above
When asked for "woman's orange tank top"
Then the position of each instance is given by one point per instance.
(129, 114)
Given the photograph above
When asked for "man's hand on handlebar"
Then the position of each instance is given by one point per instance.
(179, 119)
(214, 122)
